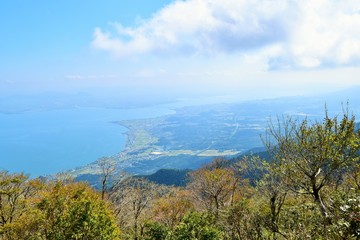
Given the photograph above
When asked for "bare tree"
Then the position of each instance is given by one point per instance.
(213, 188)
(131, 197)
(108, 168)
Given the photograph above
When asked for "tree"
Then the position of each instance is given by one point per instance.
(15, 189)
(213, 188)
(131, 198)
(171, 208)
(273, 189)
(197, 226)
(108, 167)
(345, 206)
(156, 231)
(72, 211)
(314, 156)
(242, 220)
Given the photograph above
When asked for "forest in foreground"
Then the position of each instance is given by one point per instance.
(308, 187)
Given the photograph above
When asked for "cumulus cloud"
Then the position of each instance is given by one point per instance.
(325, 33)
(287, 33)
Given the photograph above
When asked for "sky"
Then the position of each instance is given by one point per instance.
(252, 48)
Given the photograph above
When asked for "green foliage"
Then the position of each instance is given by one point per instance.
(310, 157)
(309, 189)
(156, 231)
(197, 226)
(346, 214)
(15, 189)
(242, 220)
(193, 226)
(72, 211)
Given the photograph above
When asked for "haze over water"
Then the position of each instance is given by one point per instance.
(46, 142)
(153, 51)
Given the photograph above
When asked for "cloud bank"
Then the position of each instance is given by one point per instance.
(286, 33)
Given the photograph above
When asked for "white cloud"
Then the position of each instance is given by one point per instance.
(88, 77)
(286, 33)
(325, 33)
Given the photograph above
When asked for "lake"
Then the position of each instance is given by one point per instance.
(47, 142)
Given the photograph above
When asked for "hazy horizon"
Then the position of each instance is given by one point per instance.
(66, 65)
(256, 49)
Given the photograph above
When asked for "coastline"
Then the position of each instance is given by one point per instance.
(42, 143)
(144, 152)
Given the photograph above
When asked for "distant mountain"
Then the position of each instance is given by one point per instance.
(56, 100)
(169, 177)
(180, 177)
(94, 180)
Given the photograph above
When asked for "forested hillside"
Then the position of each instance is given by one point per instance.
(307, 188)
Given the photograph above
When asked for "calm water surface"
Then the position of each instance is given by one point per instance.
(46, 142)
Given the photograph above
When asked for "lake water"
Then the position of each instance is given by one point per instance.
(46, 142)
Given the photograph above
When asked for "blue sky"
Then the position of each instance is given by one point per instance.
(214, 47)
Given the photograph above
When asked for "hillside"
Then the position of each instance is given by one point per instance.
(195, 135)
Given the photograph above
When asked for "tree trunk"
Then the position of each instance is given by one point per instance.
(274, 227)
(321, 205)
(217, 206)
(103, 187)
(135, 209)
(135, 230)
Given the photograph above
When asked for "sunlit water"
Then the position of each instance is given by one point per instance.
(46, 142)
